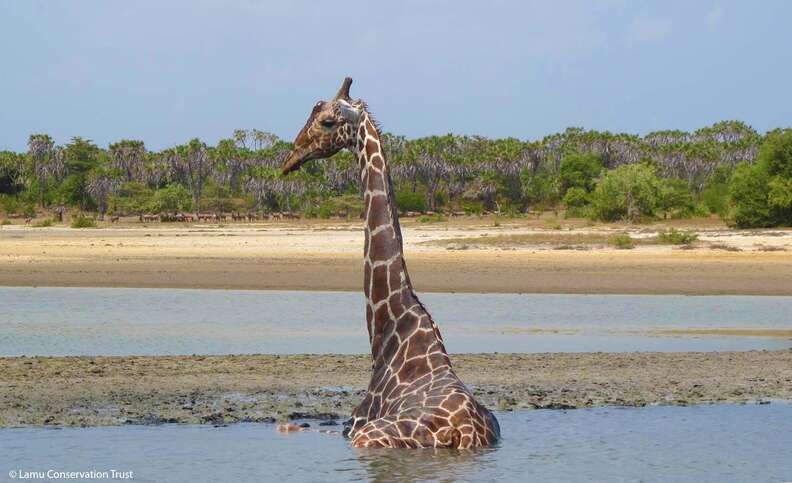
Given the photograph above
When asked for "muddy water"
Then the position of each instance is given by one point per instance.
(718, 443)
(120, 321)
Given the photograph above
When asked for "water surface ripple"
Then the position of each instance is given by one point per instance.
(122, 321)
(718, 443)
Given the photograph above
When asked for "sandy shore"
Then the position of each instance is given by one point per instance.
(90, 391)
(472, 255)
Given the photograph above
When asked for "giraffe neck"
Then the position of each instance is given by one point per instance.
(392, 308)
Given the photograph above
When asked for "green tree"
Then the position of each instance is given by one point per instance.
(630, 192)
(80, 156)
(11, 173)
(674, 196)
(576, 197)
(579, 170)
(132, 197)
(173, 197)
(540, 188)
(761, 195)
(748, 191)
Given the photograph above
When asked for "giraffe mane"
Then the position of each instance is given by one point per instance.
(371, 117)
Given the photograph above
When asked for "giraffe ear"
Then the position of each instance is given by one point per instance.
(350, 112)
(343, 92)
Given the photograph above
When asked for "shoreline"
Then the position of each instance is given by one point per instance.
(517, 258)
(107, 391)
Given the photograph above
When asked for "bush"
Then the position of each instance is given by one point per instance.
(324, 212)
(715, 198)
(83, 222)
(576, 197)
(44, 223)
(629, 192)
(579, 170)
(540, 189)
(761, 195)
(472, 208)
(674, 197)
(748, 192)
(582, 212)
(9, 203)
(132, 197)
(623, 241)
(431, 218)
(345, 205)
(173, 197)
(30, 210)
(675, 237)
(6, 222)
(410, 201)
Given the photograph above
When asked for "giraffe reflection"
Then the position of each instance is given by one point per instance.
(414, 399)
(426, 465)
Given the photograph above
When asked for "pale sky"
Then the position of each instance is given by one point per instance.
(167, 71)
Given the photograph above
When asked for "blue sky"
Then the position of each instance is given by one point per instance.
(167, 71)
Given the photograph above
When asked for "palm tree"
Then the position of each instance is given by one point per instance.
(46, 161)
(101, 184)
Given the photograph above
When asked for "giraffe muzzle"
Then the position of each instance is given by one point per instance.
(293, 162)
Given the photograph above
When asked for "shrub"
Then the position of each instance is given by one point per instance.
(540, 189)
(410, 201)
(715, 198)
(748, 192)
(761, 195)
(676, 237)
(630, 192)
(579, 170)
(344, 205)
(431, 218)
(173, 197)
(10, 204)
(674, 197)
(44, 223)
(132, 197)
(5, 222)
(472, 207)
(623, 241)
(30, 210)
(83, 222)
(576, 197)
(324, 212)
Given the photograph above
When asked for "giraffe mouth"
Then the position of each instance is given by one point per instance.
(293, 162)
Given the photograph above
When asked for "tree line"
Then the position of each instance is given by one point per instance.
(728, 169)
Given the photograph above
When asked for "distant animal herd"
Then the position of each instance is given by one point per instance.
(239, 217)
(177, 217)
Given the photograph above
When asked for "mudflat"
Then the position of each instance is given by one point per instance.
(467, 255)
(94, 391)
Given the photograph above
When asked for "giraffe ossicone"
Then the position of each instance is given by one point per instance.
(414, 398)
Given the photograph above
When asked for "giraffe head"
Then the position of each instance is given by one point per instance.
(330, 128)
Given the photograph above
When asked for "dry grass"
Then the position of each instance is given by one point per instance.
(782, 333)
(723, 246)
(558, 240)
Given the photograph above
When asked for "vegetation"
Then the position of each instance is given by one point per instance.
(83, 222)
(726, 169)
(44, 223)
(623, 241)
(761, 193)
(676, 237)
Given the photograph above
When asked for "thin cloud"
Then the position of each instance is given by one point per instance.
(651, 29)
(714, 16)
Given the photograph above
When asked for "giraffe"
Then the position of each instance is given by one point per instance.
(414, 398)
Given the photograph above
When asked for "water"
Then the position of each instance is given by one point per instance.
(718, 443)
(99, 321)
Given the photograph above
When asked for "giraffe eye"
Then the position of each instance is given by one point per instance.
(328, 123)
